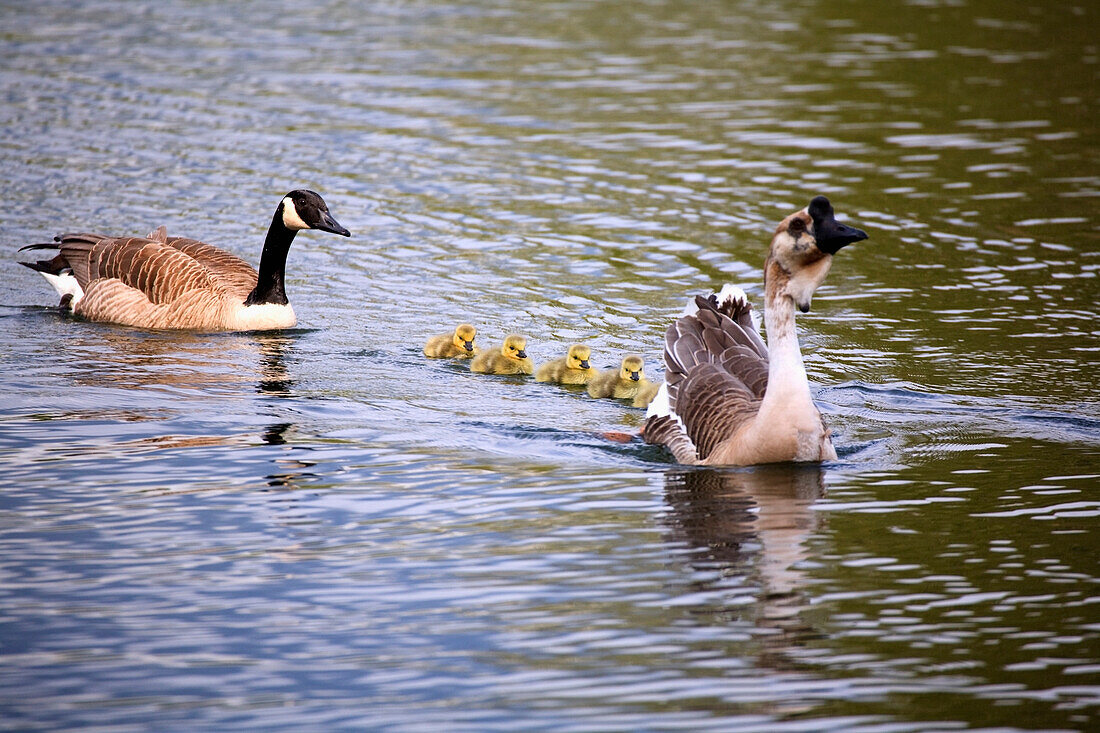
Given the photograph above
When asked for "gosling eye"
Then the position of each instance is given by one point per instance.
(796, 227)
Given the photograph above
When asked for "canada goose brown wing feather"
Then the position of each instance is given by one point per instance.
(77, 248)
(158, 270)
(233, 274)
(110, 299)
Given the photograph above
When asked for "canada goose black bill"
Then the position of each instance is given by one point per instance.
(174, 282)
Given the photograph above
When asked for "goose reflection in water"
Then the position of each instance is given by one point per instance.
(123, 358)
(199, 371)
(274, 377)
(752, 523)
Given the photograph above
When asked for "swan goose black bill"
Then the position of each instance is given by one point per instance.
(179, 283)
(727, 398)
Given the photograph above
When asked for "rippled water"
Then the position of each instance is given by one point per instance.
(320, 529)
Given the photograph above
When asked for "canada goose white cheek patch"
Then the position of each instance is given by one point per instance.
(291, 219)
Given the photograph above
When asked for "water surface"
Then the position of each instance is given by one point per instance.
(320, 529)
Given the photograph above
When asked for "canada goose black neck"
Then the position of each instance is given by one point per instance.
(270, 284)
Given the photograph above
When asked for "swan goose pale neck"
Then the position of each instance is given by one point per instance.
(730, 400)
(178, 283)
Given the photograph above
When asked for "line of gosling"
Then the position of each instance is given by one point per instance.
(628, 382)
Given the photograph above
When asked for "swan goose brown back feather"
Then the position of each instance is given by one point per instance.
(730, 400)
(180, 283)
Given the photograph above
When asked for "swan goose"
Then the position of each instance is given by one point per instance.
(178, 283)
(727, 398)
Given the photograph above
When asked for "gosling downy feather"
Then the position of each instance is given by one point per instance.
(510, 358)
(646, 394)
(573, 368)
(178, 283)
(622, 384)
(728, 399)
(459, 344)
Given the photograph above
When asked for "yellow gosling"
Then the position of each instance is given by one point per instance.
(573, 368)
(510, 358)
(646, 394)
(624, 384)
(459, 344)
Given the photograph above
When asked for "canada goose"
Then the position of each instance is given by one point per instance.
(459, 344)
(573, 368)
(510, 358)
(727, 398)
(622, 384)
(173, 282)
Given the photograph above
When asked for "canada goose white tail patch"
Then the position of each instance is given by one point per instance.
(291, 219)
(65, 284)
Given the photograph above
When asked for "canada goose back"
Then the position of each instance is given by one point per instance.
(728, 399)
(573, 368)
(176, 282)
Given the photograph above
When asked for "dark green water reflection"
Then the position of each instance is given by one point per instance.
(322, 530)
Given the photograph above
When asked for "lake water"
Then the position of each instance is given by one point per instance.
(322, 530)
